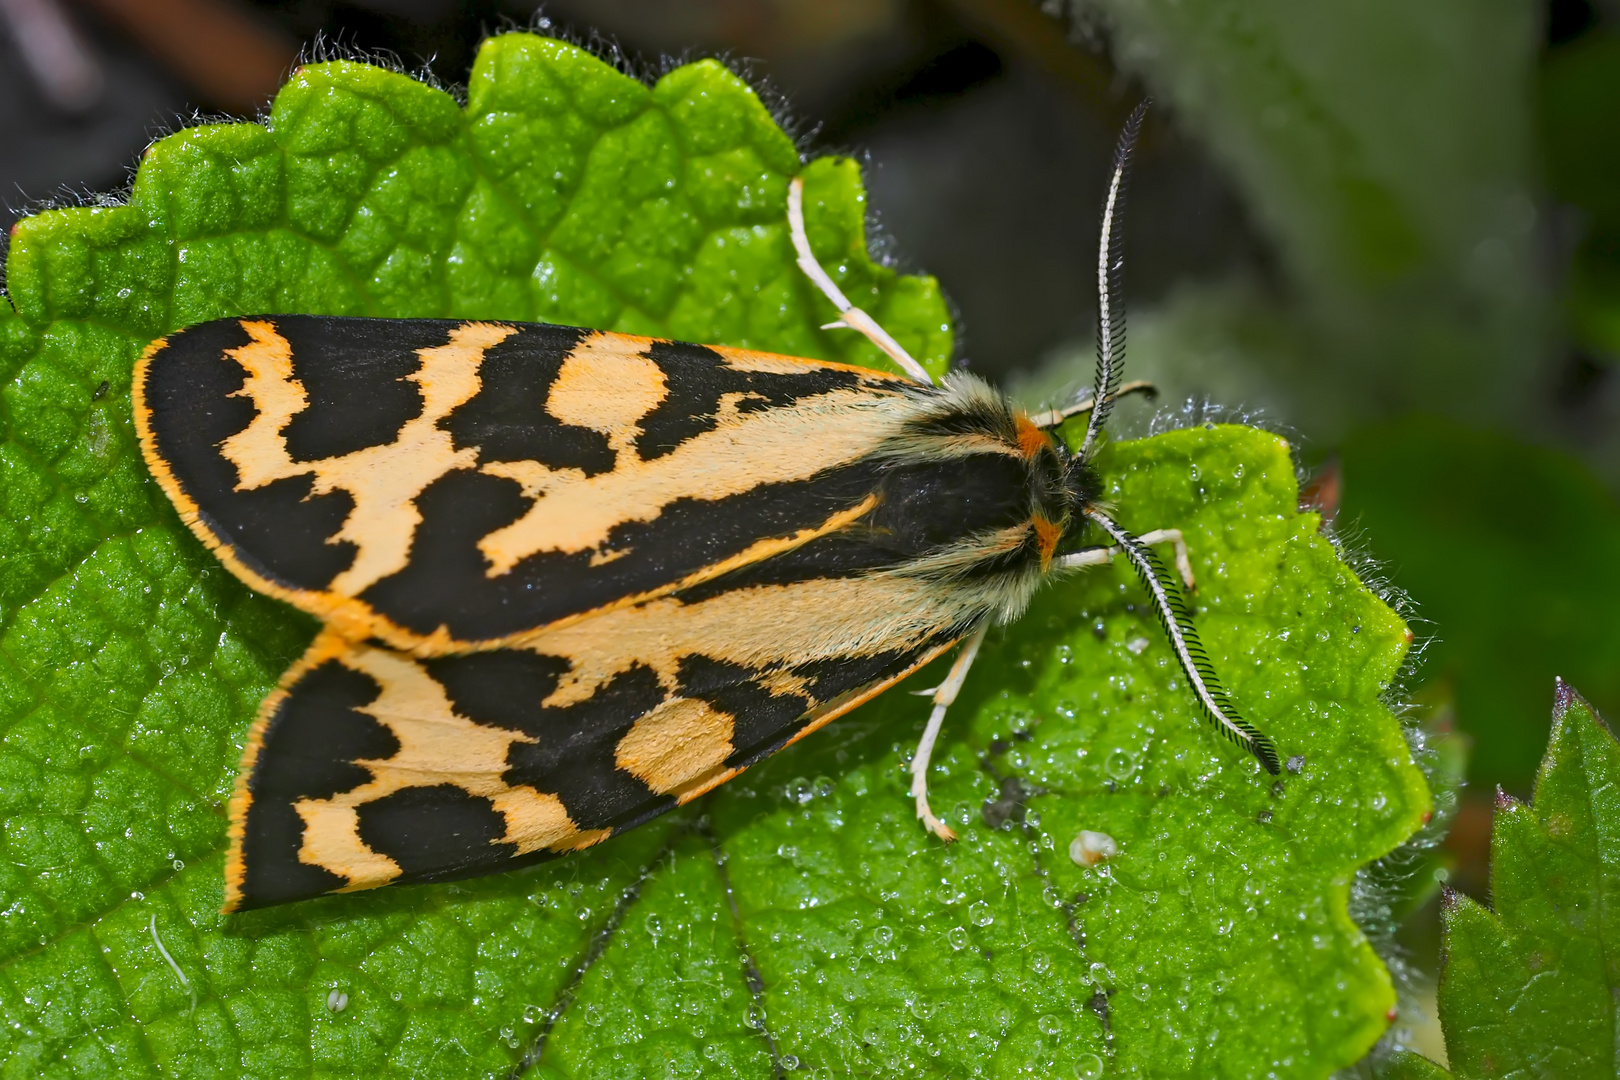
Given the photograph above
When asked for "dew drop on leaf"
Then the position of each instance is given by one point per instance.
(1121, 764)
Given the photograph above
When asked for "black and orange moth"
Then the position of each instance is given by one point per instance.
(569, 579)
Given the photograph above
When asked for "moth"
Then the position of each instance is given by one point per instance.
(570, 579)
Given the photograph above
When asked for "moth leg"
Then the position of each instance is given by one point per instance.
(1053, 417)
(853, 318)
(944, 695)
(1096, 556)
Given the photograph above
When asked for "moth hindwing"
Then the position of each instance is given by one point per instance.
(569, 579)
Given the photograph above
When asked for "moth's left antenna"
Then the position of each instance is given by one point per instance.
(1110, 283)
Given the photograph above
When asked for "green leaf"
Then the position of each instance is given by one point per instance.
(1531, 989)
(1467, 521)
(1405, 1065)
(798, 918)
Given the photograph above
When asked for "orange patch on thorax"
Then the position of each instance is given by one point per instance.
(1047, 535)
(1031, 439)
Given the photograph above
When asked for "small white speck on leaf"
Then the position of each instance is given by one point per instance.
(1091, 848)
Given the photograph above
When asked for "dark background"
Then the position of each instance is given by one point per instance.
(1460, 404)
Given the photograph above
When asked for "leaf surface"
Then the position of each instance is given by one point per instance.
(796, 919)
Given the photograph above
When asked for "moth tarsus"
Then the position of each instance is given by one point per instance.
(570, 579)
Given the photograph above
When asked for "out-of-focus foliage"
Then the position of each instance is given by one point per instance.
(1513, 552)
(1386, 150)
(1580, 129)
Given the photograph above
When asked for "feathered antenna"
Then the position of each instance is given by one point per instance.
(1168, 601)
(1111, 285)
(1189, 650)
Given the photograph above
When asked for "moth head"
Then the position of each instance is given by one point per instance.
(1082, 485)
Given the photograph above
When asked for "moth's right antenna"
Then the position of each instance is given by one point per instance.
(1110, 284)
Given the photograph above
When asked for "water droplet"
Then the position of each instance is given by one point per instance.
(1120, 764)
(179, 864)
(883, 935)
(1065, 654)
(1087, 1067)
(1142, 992)
(1049, 1024)
(655, 927)
(1377, 801)
(979, 913)
(958, 937)
(593, 1016)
